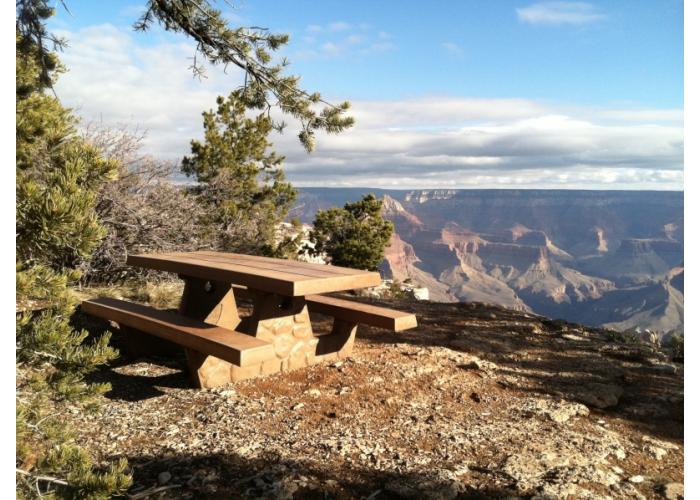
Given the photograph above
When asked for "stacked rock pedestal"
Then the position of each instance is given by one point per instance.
(285, 323)
(282, 321)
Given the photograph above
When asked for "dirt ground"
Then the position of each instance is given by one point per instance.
(478, 401)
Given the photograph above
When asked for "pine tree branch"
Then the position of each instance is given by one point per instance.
(248, 50)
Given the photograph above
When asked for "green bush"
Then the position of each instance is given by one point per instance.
(58, 176)
(353, 236)
(674, 343)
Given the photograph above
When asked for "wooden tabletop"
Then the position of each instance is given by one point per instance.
(285, 277)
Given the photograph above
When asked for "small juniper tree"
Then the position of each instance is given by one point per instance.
(353, 236)
(58, 176)
(52, 361)
(240, 176)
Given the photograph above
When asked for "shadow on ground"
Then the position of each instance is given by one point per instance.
(234, 476)
(533, 355)
(133, 386)
(543, 356)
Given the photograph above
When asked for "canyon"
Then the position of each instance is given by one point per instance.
(603, 258)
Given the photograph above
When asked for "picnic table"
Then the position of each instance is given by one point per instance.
(221, 345)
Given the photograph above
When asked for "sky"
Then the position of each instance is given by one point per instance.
(449, 94)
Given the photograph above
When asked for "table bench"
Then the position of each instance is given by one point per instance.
(221, 346)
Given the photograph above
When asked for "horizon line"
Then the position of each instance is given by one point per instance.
(495, 189)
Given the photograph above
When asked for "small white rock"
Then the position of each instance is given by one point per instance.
(657, 452)
(636, 479)
(673, 491)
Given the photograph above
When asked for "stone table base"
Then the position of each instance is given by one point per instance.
(282, 321)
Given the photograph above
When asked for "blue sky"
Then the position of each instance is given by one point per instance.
(631, 54)
(610, 72)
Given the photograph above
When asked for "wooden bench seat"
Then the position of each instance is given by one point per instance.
(237, 348)
(353, 312)
(357, 312)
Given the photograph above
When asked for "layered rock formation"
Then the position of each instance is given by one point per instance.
(598, 257)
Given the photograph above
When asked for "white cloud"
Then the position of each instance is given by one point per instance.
(330, 27)
(331, 48)
(453, 49)
(341, 39)
(377, 48)
(430, 113)
(114, 80)
(420, 142)
(355, 39)
(339, 26)
(557, 13)
(644, 115)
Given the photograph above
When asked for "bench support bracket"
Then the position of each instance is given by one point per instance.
(212, 302)
(209, 301)
(337, 344)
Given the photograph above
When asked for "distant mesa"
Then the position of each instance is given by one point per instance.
(392, 209)
(433, 194)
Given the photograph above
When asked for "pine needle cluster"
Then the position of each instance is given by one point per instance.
(250, 49)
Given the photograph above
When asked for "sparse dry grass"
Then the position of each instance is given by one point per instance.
(161, 295)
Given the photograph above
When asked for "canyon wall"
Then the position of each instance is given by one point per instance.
(604, 258)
